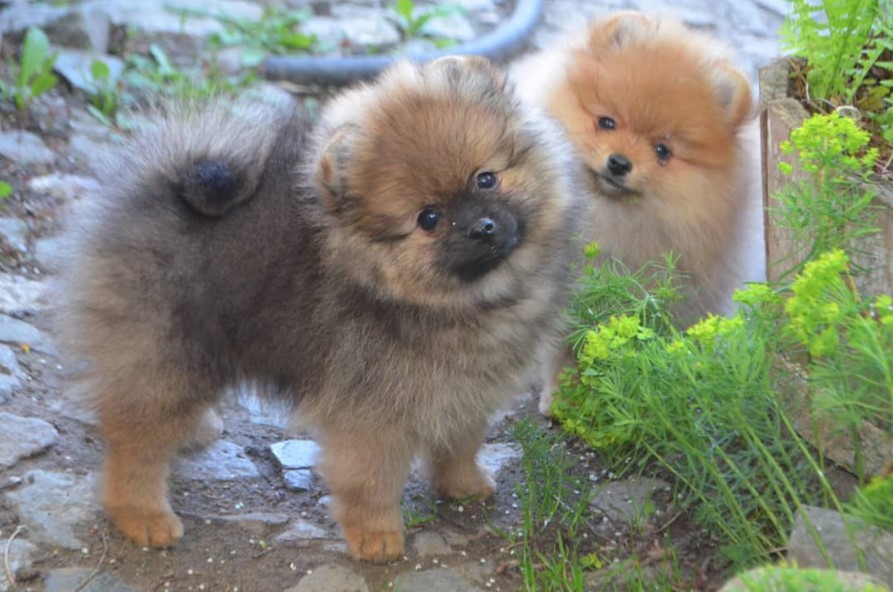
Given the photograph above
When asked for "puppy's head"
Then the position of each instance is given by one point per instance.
(439, 190)
(654, 108)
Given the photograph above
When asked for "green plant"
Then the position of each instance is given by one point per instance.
(412, 20)
(413, 517)
(699, 404)
(848, 46)
(831, 207)
(832, 36)
(849, 342)
(104, 98)
(154, 76)
(33, 75)
(277, 31)
(873, 503)
(5, 189)
(785, 578)
(552, 554)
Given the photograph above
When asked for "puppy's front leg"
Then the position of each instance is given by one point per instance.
(366, 469)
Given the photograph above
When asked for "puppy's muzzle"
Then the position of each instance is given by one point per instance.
(483, 235)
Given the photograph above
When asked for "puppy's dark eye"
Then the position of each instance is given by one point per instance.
(663, 152)
(486, 180)
(428, 219)
(606, 123)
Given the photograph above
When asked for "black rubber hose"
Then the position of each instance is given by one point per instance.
(498, 44)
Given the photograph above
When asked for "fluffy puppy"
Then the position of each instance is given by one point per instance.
(656, 111)
(396, 275)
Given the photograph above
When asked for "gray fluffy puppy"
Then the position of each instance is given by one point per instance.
(396, 276)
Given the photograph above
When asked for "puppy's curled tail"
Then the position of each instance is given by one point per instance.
(214, 186)
(212, 156)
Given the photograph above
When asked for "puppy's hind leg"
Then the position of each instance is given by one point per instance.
(144, 427)
(454, 470)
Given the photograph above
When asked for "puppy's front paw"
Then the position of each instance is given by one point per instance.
(374, 546)
(148, 528)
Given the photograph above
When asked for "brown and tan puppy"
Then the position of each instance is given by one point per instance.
(396, 275)
(657, 113)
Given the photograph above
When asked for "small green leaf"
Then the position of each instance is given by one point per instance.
(405, 8)
(44, 82)
(5, 189)
(100, 70)
(164, 65)
(419, 23)
(35, 50)
(444, 42)
(102, 117)
(298, 41)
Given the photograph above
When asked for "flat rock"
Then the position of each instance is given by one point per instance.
(165, 17)
(49, 252)
(262, 411)
(426, 544)
(366, 31)
(435, 580)
(494, 457)
(298, 479)
(25, 148)
(75, 67)
(15, 232)
(626, 500)
(785, 579)
(477, 572)
(11, 374)
(69, 26)
(302, 530)
(221, 461)
(71, 403)
(18, 333)
(255, 522)
(840, 543)
(455, 26)
(476, 5)
(21, 437)
(265, 518)
(21, 555)
(68, 579)
(328, 31)
(85, 149)
(295, 454)
(19, 294)
(331, 578)
(52, 504)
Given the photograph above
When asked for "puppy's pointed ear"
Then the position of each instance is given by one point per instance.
(732, 93)
(618, 30)
(332, 167)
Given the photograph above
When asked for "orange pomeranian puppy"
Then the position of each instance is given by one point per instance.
(657, 113)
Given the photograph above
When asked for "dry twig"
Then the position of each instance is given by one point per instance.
(89, 578)
(6, 568)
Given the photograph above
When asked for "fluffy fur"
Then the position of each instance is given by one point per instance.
(660, 84)
(657, 113)
(230, 245)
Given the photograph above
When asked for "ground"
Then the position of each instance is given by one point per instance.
(256, 521)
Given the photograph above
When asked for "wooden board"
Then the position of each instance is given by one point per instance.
(779, 114)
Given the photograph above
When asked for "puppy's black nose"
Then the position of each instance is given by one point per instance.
(619, 165)
(483, 229)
